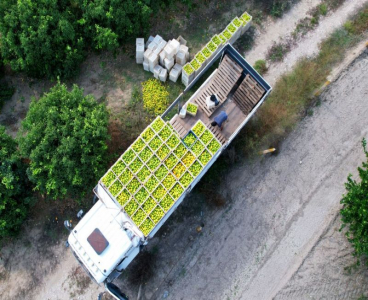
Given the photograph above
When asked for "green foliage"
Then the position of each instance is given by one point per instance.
(50, 38)
(14, 187)
(40, 38)
(1, 66)
(260, 66)
(278, 51)
(275, 8)
(348, 26)
(105, 38)
(359, 24)
(64, 135)
(279, 7)
(323, 9)
(354, 213)
(334, 4)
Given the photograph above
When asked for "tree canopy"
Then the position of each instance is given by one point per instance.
(64, 136)
(6, 91)
(15, 191)
(51, 37)
(354, 214)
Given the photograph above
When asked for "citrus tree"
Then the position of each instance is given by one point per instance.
(50, 38)
(15, 189)
(354, 213)
(64, 136)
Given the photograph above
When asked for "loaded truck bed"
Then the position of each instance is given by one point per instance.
(153, 176)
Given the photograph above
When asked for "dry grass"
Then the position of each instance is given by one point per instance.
(278, 50)
(293, 92)
(359, 24)
(260, 66)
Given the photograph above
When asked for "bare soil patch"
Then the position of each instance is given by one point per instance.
(328, 271)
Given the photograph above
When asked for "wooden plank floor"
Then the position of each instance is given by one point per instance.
(221, 83)
(175, 122)
(235, 118)
(217, 133)
(236, 106)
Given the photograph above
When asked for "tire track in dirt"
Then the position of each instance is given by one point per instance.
(309, 45)
(242, 258)
(275, 30)
(198, 250)
(307, 227)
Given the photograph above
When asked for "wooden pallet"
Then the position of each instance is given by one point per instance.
(220, 84)
(248, 94)
(254, 86)
(178, 127)
(217, 133)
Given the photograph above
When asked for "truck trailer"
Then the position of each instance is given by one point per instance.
(153, 176)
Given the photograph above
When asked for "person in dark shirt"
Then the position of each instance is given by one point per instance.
(220, 119)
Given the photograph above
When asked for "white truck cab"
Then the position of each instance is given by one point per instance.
(105, 241)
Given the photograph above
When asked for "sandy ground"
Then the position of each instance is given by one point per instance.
(308, 46)
(327, 272)
(246, 246)
(278, 235)
(274, 31)
(281, 206)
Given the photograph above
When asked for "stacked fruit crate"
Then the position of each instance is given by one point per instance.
(230, 34)
(155, 171)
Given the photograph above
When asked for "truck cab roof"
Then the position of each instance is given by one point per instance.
(100, 240)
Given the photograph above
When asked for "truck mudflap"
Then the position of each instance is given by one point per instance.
(83, 266)
(115, 292)
(123, 264)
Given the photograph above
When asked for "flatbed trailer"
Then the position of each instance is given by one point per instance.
(134, 197)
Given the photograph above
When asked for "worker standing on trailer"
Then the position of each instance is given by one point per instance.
(220, 119)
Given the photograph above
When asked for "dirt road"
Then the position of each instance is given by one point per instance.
(282, 29)
(282, 205)
(309, 45)
(328, 271)
(278, 236)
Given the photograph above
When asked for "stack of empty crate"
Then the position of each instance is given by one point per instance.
(139, 50)
(163, 59)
